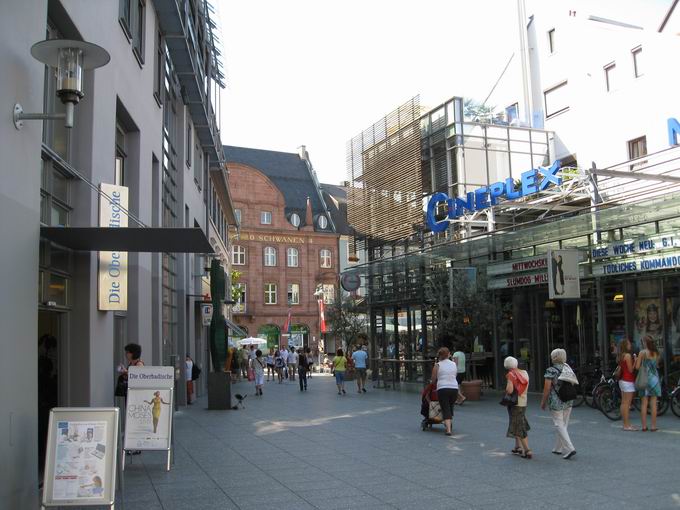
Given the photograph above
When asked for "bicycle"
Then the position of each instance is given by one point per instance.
(674, 400)
(608, 398)
(589, 376)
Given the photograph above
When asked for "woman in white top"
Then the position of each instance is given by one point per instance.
(444, 375)
(518, 427)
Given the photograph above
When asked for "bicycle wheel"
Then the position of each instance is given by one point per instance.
(588, 388)
(609, 403)
(675, 402)
(595, 394)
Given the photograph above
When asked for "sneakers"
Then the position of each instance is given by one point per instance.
(569, 455)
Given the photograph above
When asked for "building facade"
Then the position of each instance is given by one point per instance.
(286, 250)
(574, 162)
(145, 125)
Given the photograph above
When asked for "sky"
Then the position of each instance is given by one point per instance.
(318, 72)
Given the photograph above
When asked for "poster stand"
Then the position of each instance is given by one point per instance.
(149, 412)
(81, 462)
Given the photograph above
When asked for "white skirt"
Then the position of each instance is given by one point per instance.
(627, 386)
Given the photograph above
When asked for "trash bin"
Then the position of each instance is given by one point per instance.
(472, 389)
(219, 391)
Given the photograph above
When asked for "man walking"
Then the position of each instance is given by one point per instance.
(284, 357)
(292, 363)
(360, 357)
(303, 366)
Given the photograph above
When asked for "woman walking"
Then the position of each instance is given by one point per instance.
(279, 365)
(339, 367)
(648, 360)
(518, 427)
(270, 364)
(444, 375)
(560, 411)
(626, 381)
(258, 368)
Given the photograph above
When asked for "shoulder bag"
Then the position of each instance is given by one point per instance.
(642, 378)
(509, 399)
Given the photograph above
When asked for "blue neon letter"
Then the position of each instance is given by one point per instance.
(529, 182)
(673, 131)
(430, 216)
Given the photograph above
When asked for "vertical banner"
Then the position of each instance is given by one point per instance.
(322, 316)
(563, 274)
(113, 265)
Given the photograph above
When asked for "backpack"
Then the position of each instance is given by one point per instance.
(565, 390)
(195, 372)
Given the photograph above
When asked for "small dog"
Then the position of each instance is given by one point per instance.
(240, 398)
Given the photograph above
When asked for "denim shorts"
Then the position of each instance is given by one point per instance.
(339, 376)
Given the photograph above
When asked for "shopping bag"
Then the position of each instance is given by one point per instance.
(435, 412)
(251, 374)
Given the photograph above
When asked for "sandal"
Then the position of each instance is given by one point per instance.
(527, 455)
(644, 429)
(516, 451)
(630, 429)
(653, 430)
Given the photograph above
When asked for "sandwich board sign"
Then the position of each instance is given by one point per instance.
(149, 409)
(80, 465)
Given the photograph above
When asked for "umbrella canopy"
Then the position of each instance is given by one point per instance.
(252, 341)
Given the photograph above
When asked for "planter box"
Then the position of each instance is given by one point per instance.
(219, 391)
(472, 389)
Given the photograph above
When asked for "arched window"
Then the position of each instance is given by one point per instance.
(293, 257)
(270, 256)
(325, 256)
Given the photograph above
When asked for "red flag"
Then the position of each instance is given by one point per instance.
(287, 327)
(322, 316)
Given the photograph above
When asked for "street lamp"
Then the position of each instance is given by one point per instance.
(70, 58)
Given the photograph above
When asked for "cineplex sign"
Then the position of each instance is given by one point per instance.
(531, 182)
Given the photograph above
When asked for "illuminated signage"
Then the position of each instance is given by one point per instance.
(531, 182)
(631, 247)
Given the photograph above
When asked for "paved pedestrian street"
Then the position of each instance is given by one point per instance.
(293, 450)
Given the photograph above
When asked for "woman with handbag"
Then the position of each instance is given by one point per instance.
(444, 375)
(517, 388)
(648, 382)
(559, 409)
(626, 363)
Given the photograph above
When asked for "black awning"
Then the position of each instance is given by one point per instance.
(235, 329)
(171, 240)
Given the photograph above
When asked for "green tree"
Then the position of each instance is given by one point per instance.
(346, 321)
(463, 305)
(477, 112)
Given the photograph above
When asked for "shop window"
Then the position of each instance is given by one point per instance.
(647, 316)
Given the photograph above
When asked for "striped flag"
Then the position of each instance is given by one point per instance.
(288, 326)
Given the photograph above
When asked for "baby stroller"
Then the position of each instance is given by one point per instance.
(430, 408)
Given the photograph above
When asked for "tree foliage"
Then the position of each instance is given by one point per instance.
(472, 313)
(346, 321)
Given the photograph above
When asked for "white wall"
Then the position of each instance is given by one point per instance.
(21, 80)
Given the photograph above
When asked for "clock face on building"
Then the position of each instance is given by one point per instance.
(350, 282)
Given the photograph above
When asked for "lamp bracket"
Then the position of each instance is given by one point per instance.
(19, 116)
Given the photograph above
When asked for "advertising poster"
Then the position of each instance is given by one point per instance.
(563, 274)
(148, 415)
(673, 311)
(648, 322)
(79, 465)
